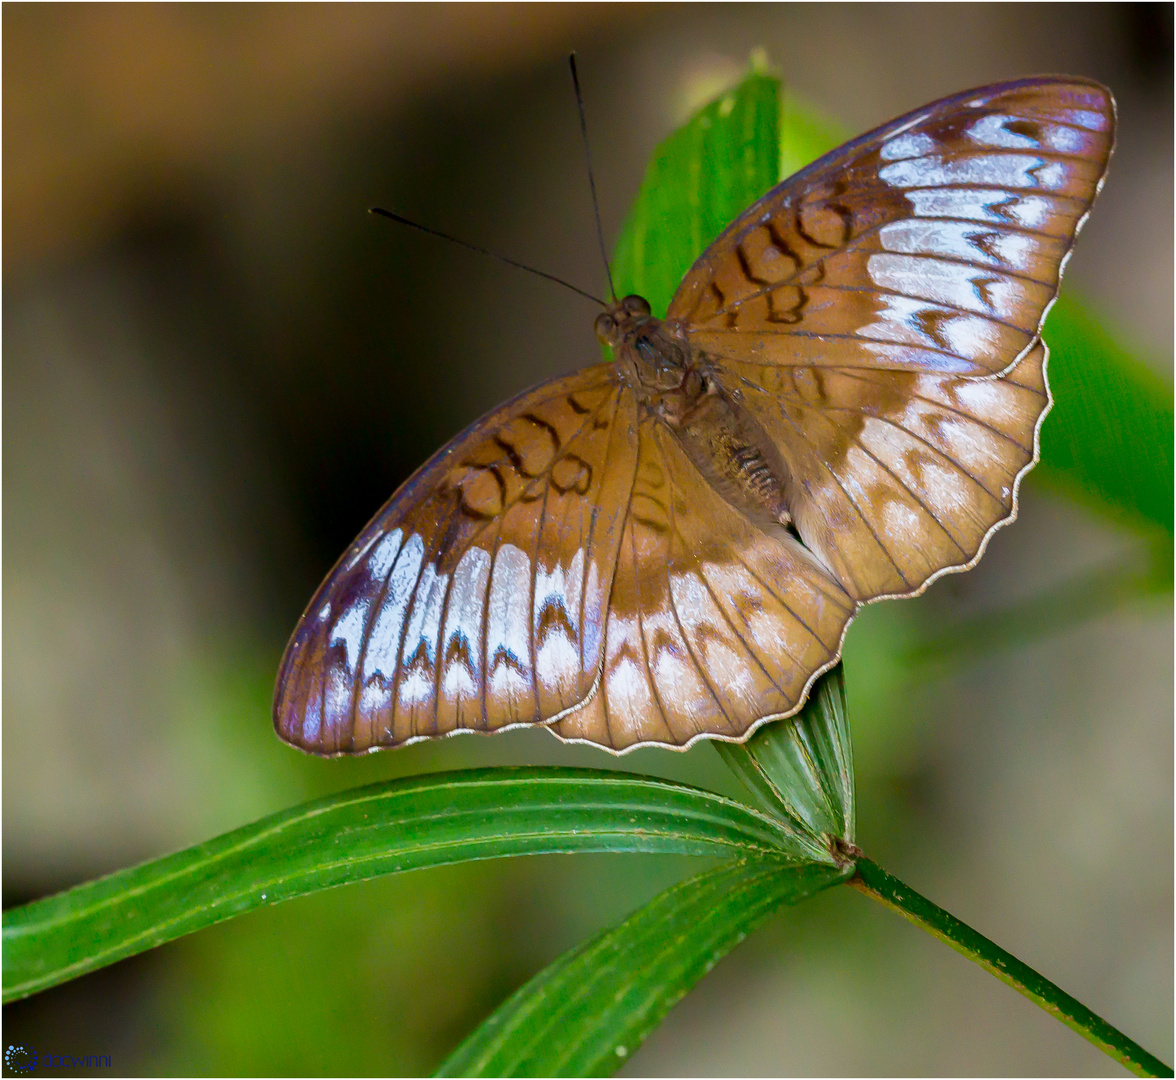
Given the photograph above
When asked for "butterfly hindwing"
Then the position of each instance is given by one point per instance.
(900, 475)
(713, 625)
(475, 599)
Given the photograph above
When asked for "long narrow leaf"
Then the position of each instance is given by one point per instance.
(803, 767)
(359, 834)
(701, 177)
(587, 1012)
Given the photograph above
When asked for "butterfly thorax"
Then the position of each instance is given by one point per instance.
(673, 383)
(653, 360)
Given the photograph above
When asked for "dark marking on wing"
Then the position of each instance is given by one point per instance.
(579, 480)
(792, 315)
(781, 244)
(551, 616)
(512, 454)
(539, 422)
(1029, 129)
(932, 322)
(504, 657)
(982, 286)
(987, 242)
(745, 266)
(846, 215)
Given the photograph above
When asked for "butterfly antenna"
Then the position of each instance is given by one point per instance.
(591, 177)
(483, 251)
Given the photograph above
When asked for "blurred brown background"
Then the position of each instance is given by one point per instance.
(217, 366)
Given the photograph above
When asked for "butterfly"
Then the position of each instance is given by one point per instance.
(838, 407)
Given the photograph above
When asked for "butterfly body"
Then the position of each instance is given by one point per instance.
(674, 385)
(838, 406)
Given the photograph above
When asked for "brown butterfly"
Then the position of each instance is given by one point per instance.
(838, 407)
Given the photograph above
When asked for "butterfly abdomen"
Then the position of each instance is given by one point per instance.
(730, 448)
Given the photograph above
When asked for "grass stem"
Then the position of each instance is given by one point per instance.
(872, 880)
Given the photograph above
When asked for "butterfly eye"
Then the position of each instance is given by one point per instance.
(605, 327)
(636, 305)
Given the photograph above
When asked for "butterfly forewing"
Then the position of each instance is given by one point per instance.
(713, 625)
(476, 597)
(934, 243)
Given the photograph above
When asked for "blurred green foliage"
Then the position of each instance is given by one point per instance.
(1108, 442)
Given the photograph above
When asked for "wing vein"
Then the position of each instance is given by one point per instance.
(914, 495)
(361, 658)
(485, 631)
(997, 151)
(872, 290)
(851, 373)
(534, 574)
(849, 498)
(735, 630)
(409, 607)
(930, 446)
(674, 606)
(855, 245)
(645, 650)
(439, 655)
(783, 603)
(608, 449)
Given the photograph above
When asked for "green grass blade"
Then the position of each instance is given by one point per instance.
(587, 1012)
(803, 766)
(367, 832)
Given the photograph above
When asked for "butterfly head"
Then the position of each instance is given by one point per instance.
(653, 356)
(621, 318)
